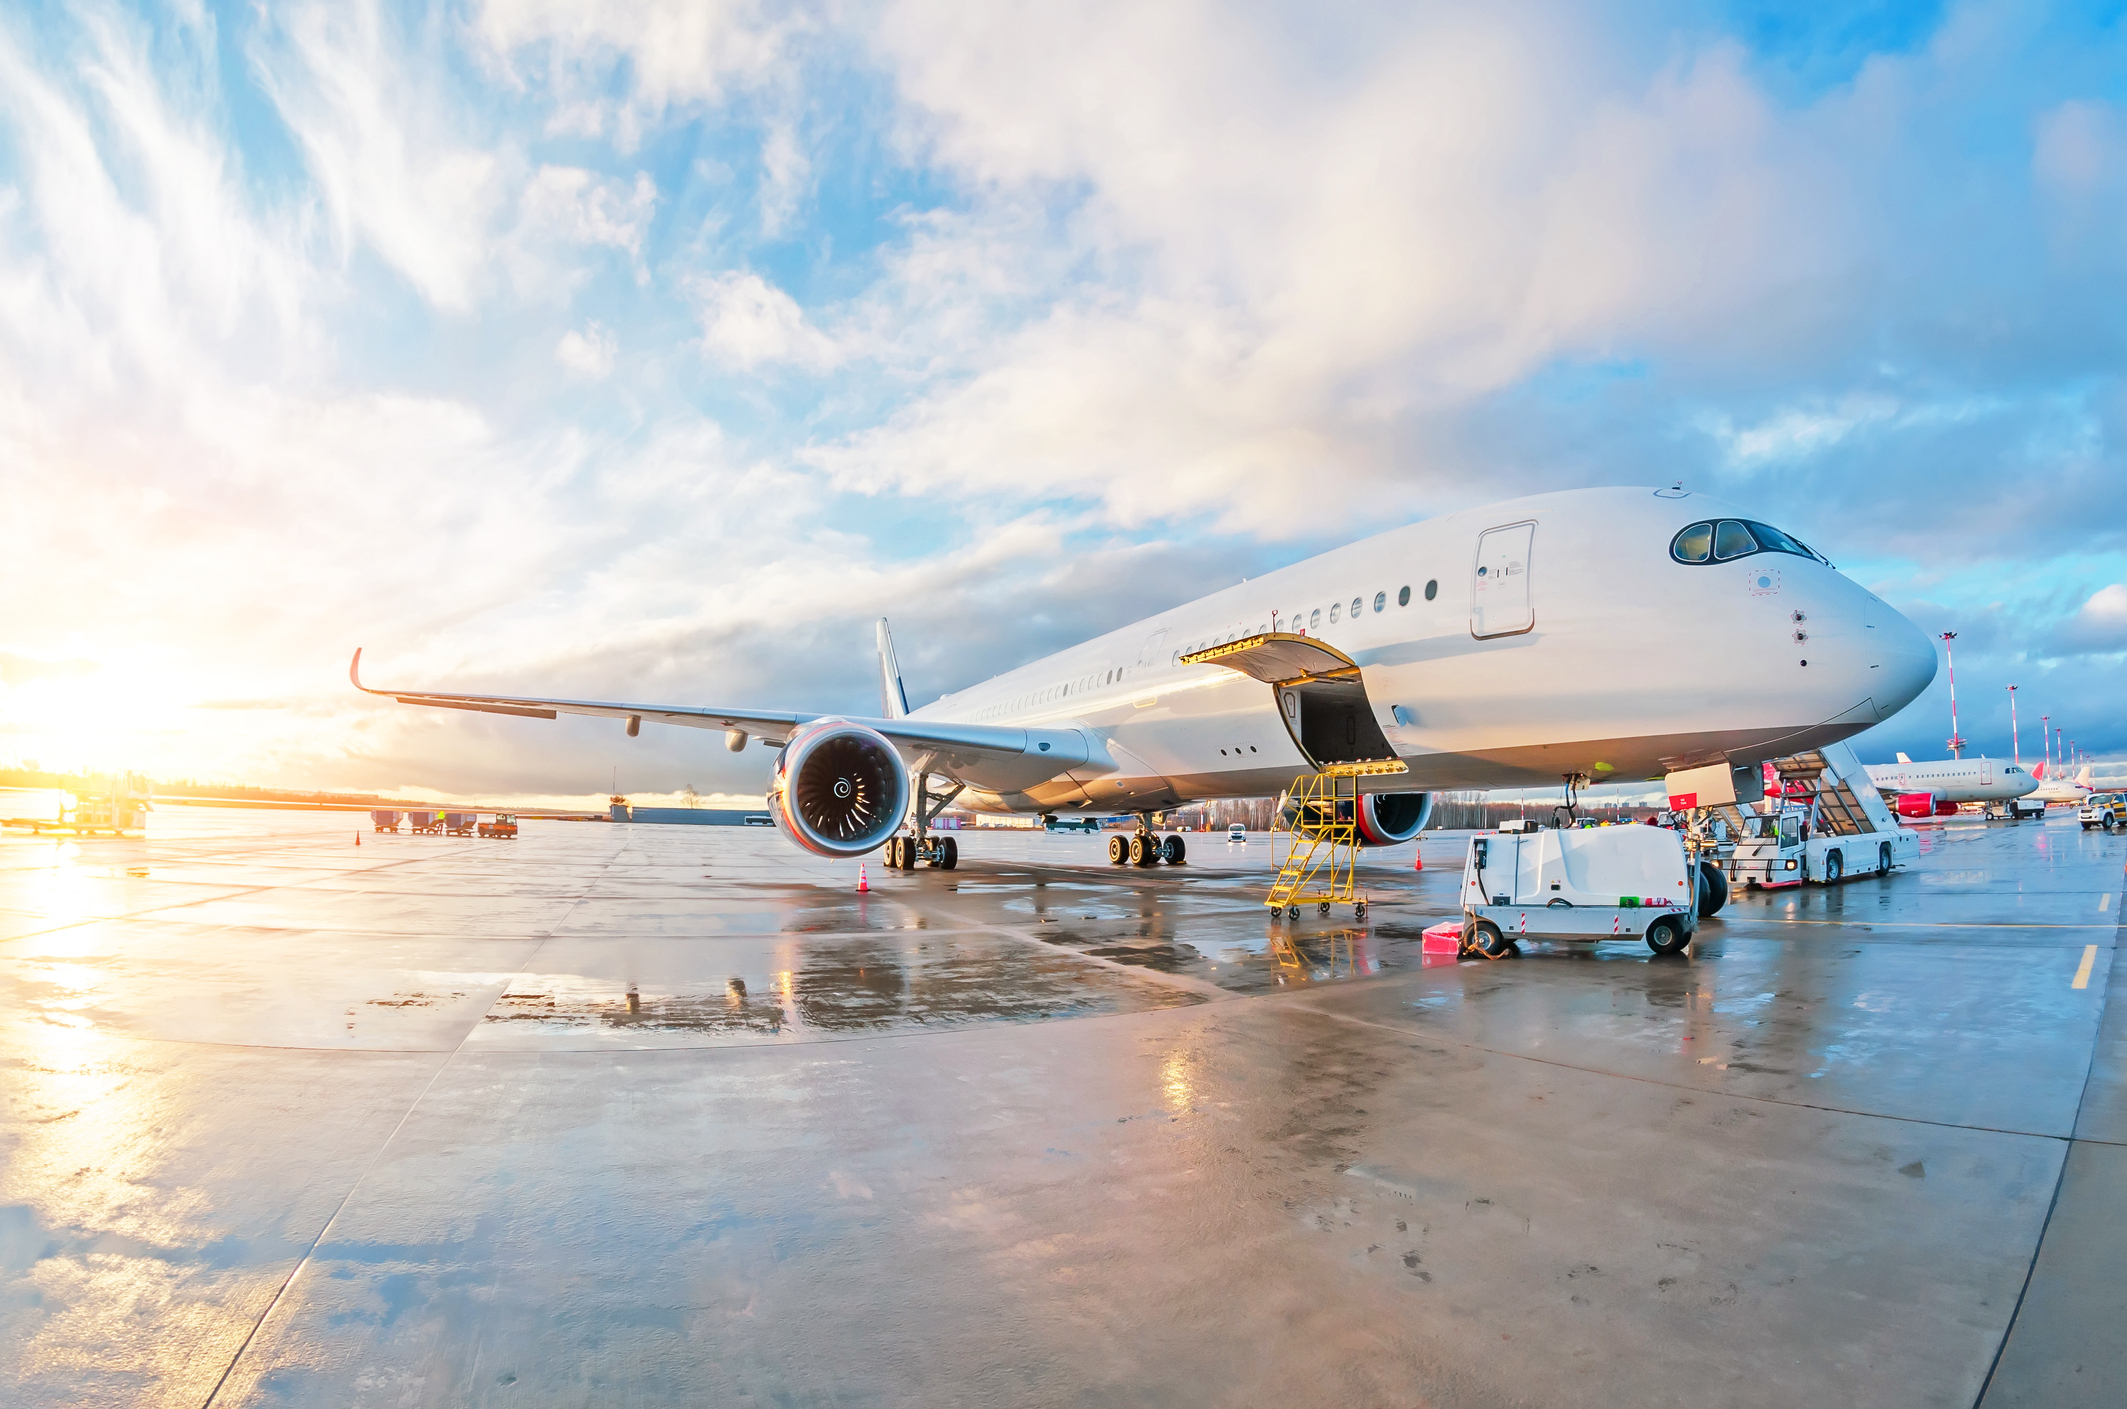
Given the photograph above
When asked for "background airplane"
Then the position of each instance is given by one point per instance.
(2054, 789)
(1595, 635)
(1937, 788)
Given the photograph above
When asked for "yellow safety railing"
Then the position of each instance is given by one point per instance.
(1321, 816)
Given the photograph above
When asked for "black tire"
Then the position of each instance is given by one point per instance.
(1668, 935)
(1713, 889)
(1325, 908)
(1292, 912)
(1883, 857)
(1118, 848)
(1141, 853)
(1483, 940)
(893, 853)
(951, 847)
(1359, 911)
(1174, 850)
(1834, 868)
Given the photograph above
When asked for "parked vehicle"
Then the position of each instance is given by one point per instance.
(460, 824)
(2107, 810)
(1072, 824)
(1237, 832)
(1584, 884)
(385, 821)
(425, 821)
(504, 825)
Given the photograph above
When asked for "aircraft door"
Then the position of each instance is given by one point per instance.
(1500, 604)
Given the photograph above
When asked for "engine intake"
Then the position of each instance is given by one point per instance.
(839, 789)
(1385, 819)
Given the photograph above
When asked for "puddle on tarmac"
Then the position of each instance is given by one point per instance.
(1277, 956)
(866, 985)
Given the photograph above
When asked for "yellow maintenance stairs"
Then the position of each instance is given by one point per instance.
(1321, 813)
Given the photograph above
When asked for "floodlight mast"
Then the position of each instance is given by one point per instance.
(2016, 752)
(1957, 743)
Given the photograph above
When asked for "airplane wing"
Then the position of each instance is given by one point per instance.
(989, 756)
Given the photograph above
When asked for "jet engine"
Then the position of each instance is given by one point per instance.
(1925, 805)
(1385, 819)
(839, 788)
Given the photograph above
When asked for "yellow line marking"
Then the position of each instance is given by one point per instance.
(2082, 973)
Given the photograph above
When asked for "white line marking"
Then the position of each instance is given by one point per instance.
(2104, 902)
(2082, 972)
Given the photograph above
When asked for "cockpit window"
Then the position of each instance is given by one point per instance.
(2012, 768)
(1725, 540)
(1732, 540)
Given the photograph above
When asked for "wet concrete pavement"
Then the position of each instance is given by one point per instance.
(672, 1115)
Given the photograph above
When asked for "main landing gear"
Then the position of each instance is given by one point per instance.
(938, 853)
(1146, 847)
(903, 853)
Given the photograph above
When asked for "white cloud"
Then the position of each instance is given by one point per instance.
(2100, 626)
(568, 203)
(588, 354)
(378, 134)
(748, 322)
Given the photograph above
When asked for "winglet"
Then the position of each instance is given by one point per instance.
(893, 696)
(354, 674)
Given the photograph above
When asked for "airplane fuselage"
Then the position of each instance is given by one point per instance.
(1956, 779)
(1509, 645)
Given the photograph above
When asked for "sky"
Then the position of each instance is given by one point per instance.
(650, 350)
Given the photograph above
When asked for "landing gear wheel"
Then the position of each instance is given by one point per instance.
(951, 847)
(1713, 889)
(1883, 857)
(1141, 849)
(1483, 940)
(1173, 850)
(1668, 935)
(1834, 868)
(1118, 849)
(893, 853)
(933, 855)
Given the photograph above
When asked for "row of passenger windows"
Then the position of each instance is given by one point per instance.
(1311, 621)
(1724, 540)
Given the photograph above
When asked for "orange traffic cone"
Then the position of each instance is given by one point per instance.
(863, 885)
(358, 838)
(1420, 866)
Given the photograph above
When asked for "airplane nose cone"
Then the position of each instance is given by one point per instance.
(1905, 659)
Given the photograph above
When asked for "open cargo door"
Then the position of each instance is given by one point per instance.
(1320, 695)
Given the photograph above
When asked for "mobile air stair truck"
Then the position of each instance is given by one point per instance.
(1822, 821)
(1580, 884)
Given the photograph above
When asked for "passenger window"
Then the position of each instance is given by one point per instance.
(1403, 597)
(1356, 605)
(1380, 600)
(1315, 619)
(1432, 589)
(1733, 540)
(1694, 544)
(1332, 613)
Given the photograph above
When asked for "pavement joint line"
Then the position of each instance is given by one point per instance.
(375, 1156)
(2060, 1181)
(1203, 987)
(1421, 1034)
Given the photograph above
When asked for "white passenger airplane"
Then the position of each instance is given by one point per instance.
(1937, 788)
(2069, 790)
(1594, 635)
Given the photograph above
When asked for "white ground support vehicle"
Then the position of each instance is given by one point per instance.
(1237, 832)
(2107, 810)
(1588, 884)
(1827, 822)
(2016, 809)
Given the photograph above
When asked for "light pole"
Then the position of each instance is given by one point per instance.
(1956, 744)
(2016, 752)
(2045, 730)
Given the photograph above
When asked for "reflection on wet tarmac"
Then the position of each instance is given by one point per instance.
(846, 985)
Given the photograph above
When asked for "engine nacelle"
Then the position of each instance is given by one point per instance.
(1925, 805)
(839, 788)
(1385, 819)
